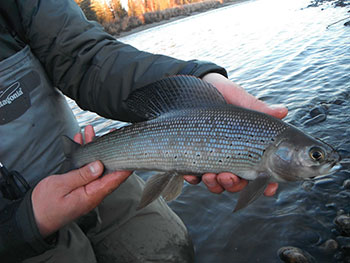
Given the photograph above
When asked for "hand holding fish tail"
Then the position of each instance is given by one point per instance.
(60, 199)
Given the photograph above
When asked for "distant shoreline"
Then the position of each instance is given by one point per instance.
(155, 24)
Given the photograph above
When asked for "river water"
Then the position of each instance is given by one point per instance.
(283, 53)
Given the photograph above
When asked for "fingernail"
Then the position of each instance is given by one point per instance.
(95, 168)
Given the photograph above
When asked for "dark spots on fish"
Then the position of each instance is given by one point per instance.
(250, 155)
(211, 151)
(185, 153)
(262, 141)
(198, 155)
(272, 139)
(220, 161)
(228, 157)
(175, 157)
(194, 162)
(231, 144)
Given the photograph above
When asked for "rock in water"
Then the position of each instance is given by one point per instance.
(295, 255)
(330, 245)
(322, 109)
(316, 119)
(346, 184)
(343, 223)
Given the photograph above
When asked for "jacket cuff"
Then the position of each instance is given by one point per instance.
(35, 243)
(200, 68)
(19, 235)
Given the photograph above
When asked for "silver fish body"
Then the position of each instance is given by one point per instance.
(210, 139)
(190, 141)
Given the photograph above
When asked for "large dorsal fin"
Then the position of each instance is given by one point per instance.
(172, 93)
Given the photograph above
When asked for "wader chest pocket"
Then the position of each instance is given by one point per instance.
(15, 97)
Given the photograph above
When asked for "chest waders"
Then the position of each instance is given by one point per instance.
(33, 117)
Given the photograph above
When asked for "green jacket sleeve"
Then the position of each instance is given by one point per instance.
(91, 66)
(19, 234)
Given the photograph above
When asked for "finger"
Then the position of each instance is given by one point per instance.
(231, 182)
(212, 184)
(78, 138)
(277, 111)
(107, 184)
(271, 189)
(89, 133)
(192, 179)
(235, 94)
(253, 103)
(82, 176)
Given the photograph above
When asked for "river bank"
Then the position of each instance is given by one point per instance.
(146, 26)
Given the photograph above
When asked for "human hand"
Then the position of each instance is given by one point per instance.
(60, 199)
(234, 94)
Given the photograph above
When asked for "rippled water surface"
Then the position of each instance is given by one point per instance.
(281, 52)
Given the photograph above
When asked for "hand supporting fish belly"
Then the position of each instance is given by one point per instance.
(189, 128)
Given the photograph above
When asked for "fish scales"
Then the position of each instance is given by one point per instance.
(190, 141)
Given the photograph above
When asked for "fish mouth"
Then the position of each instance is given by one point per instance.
(333, 168)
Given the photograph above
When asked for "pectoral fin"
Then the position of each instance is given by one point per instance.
(252, 191)
(168, 184)
(173, 188)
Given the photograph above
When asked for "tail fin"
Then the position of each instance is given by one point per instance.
(69, 147)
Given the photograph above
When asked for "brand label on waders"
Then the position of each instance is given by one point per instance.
(15, 98)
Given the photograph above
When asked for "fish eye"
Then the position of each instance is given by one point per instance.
(316, 154)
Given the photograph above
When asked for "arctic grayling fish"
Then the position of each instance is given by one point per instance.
(188, 128)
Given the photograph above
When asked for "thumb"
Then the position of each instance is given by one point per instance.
(84, 175)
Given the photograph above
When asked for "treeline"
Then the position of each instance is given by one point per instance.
(115, 18)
